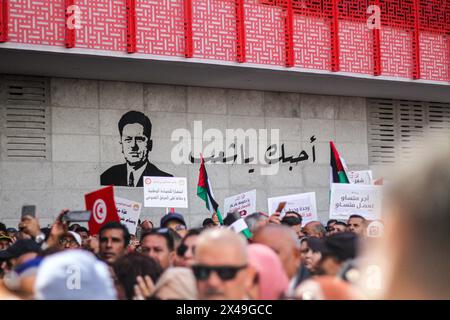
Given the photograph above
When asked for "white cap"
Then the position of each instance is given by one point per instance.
(76, 236)
(74, 275)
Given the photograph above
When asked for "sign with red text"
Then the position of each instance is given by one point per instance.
(302, 203)
(244, 203)
(129, 212)
(360, 177)
(165, 192)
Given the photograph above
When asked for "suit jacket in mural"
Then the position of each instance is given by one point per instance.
(117, 175)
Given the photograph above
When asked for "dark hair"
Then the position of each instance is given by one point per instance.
(190, 233)
(357, 216)
(166, 233)
(116, 225)
(2, 227)
(340, 223)
(296, 213)
(291, 221)
(81, 229)
(207, 221)
(46, 232)
(136, 117)
(134, 264)
(74, 226)
(331, 221)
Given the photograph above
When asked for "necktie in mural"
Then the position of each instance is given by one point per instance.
(131, 180)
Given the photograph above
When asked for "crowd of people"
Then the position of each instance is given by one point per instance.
(283, 259)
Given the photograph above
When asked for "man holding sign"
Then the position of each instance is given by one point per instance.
(303, 203)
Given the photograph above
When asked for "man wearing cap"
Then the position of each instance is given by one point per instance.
(71, 240)
(74, 275)
(20, 252)
(174, 221)
(20, 262)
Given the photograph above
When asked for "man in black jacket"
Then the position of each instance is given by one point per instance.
(135, 132)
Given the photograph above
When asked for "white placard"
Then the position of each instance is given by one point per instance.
(165, 192)
(360, 177)
(129, 212)
(348, 199)
(302, 203)
(244, 203)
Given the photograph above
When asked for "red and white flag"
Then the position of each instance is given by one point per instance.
(103, 208)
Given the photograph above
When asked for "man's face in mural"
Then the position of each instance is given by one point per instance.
(135, 145)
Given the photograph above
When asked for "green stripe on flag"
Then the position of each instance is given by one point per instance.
(342, 177)
(247, 233)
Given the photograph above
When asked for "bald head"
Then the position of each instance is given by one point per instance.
(223, 240)
(314, 229)
(283, 240)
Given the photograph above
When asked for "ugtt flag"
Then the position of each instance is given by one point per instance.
(204, 191)
(337, 170)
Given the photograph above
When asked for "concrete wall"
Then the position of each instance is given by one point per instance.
(84, 116)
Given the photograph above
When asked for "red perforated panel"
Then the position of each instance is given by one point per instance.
(214, 29)
(332, 35)
(433, 64)
(104, 25)
(37, 22)
(160, 27)
(264, 28)
(312, 43)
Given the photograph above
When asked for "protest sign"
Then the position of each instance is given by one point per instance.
(360, 177)
(348, 199)
(101, 204)
(302, 203)
(165, 192)
(244, 203)
(129, 212)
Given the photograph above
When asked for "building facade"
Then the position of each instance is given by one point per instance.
(372, 76)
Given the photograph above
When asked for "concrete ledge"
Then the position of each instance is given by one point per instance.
(91, 64)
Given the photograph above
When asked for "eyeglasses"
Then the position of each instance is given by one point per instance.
(68, 241)
(180, 227)
(225, 273)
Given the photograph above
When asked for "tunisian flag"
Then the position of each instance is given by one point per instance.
(103, 207)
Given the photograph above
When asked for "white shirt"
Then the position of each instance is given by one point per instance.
(136, 173)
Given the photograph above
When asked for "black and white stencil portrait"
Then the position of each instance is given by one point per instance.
(135, 131)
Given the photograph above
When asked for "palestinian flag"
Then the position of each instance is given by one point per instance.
(235, 222)
(338, 168)
(204, 191)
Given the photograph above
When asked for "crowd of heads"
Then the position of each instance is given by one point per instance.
(284, 258)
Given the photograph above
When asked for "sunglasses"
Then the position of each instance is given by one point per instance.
(182, 249)
(225, 273)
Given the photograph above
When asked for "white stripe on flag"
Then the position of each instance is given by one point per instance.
(238, 226)
(211, 208)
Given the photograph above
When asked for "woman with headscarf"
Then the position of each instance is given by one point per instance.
(271, 280)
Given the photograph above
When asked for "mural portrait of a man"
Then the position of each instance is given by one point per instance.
(135, 138)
